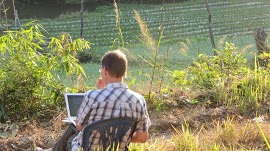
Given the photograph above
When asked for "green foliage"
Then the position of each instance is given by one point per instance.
(229, 79)
(29, 79)
(265, 59)
(180, 77)
(207, 72)
(249, 92)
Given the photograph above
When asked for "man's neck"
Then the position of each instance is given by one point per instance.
(113, 80)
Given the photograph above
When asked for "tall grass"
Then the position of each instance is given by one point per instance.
(117, 21)
(153, 45)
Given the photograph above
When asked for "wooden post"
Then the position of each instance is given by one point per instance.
(260, 37)
(1, 9)
(1, 26)
(210, 26)
(81, 15)
(16, 16)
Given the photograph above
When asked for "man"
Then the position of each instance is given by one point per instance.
(112, 99)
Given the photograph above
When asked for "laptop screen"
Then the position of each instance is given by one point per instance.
(74, 101)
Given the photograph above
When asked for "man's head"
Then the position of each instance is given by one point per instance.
(115, 62)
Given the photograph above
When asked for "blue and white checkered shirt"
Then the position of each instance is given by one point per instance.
(116, 100)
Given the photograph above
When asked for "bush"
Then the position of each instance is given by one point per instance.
(229, 79)
(28, 80)
(208, 72)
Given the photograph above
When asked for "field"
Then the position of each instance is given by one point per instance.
(179, 21)
(185, 28)
(177, 58)
(196, 102)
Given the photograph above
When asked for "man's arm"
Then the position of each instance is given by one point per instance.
(139, 137)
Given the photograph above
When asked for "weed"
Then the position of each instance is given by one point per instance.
(117, 21)
(226, 132)
(186, 140)
(153, 46)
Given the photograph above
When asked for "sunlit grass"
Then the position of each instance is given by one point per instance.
(225, 135)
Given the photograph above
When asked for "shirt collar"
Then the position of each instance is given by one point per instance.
(117, 85)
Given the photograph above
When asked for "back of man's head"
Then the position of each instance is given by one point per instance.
(115, 62)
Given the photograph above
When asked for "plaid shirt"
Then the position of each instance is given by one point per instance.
(116, 100)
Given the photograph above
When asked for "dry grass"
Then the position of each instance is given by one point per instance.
(227, 134)
(32, 134)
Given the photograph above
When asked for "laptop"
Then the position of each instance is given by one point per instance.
(73, 103)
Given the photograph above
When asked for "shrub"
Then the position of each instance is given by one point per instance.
(229, 79)
(28, 79)
(208, 72)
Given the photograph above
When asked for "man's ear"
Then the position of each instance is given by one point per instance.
(106, 72)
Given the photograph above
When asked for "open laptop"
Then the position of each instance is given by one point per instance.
(73, 103)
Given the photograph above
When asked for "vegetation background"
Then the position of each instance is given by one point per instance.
(210, 98)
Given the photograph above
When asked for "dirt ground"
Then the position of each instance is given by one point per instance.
(29, 135)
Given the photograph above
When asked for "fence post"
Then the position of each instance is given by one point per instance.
(1, 26)
(1, 9)
(210, 26)
(260, 37)
(16, 16)
(81, 15)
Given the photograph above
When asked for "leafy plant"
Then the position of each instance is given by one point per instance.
(228, 78)
(30, 79)
(209, 71)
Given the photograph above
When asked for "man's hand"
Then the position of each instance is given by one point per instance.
(139, 137)
(100, 84)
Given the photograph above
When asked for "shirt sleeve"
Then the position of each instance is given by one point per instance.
(144, 124)
(84, 109)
